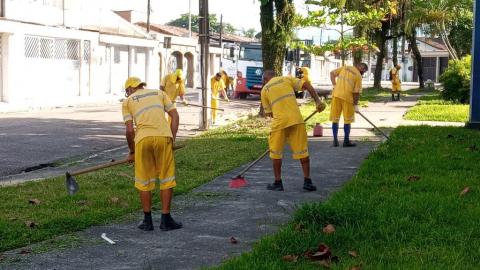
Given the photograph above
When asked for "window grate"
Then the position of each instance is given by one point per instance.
(52, 48)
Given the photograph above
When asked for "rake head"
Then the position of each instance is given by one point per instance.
(71, 184)
(237, 182)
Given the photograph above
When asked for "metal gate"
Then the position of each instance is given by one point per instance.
(52, 68)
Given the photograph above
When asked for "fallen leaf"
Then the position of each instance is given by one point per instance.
(13, 219)
(356, 267)
(290, 258)
(25, 251)
(472, 148)
(82, 202)
(329, 229)
(299, 227)
(34, 201)
(2, 257)
(465, 191)
(114, 200)
(30, 224)
(412, 178)
(353, 253)
(233, 240)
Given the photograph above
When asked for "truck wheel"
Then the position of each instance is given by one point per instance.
(243, 95)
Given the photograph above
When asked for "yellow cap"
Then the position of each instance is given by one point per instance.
(179, 73)
(306, 73)
(133, 82)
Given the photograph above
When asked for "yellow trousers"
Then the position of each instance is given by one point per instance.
(214, 104)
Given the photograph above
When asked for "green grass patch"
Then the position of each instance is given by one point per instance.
(391, 222)
(431, 107)
(108, 195)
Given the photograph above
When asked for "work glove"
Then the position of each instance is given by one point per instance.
(357, 109)
(321, 106)
(185, 102)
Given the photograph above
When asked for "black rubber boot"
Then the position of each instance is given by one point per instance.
(349, 144)
(276, 186)
(308, 186)
(146, 225)
(398, 97)
(168, 224)
(336, 143)
(393, 97)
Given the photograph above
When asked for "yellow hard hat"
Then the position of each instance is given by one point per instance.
(179, 73)
(133, 82)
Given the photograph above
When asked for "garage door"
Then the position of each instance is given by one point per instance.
(52, 68)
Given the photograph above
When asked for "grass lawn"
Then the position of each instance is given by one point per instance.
(432, 108)
(403, 210)
(109, 195)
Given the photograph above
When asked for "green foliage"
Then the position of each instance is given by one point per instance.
(431, 107)
(456, 80)
(324, 13)
(461, 32)
(182, 22)
(251, 32)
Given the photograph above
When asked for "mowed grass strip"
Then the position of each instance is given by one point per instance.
(432, 108)
(403, 210)
(107, 195)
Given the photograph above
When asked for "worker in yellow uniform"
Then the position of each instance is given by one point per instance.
(151, 147)
(228, 81)
(396, 83)
(279, 102)
(218, 87)
(347, 83)
(174, 85)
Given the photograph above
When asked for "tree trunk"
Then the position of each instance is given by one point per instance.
(276, 18)
(412, 40)
(395, 51)
(358, 32)
(381, 40)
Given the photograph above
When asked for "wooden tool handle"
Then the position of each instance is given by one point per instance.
(111, 164)
(200, 106)
(99, 167)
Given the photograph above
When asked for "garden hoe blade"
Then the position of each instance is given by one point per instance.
(71, 183)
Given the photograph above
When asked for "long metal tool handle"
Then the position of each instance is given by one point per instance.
(374, 126)
(111, 164)
(206, 107)
(268, 151)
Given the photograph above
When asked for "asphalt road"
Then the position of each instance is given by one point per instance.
(31, 139)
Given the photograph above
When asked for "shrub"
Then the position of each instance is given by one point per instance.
(456, 80)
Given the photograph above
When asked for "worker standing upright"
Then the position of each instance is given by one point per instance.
(279, 102)
(218, 87)
(151, 147)
(347, 83)
(174, 86)
(396, 83)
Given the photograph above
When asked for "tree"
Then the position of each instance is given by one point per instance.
(182, 22)
(249, 32)
(277, 20)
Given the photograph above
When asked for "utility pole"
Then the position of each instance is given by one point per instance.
(204, 38)
(148, 16)
(474, 121)
(221, 39)
(190, 18)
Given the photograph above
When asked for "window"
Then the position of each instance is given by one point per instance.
(252, 54)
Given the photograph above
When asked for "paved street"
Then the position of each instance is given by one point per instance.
(31, 139)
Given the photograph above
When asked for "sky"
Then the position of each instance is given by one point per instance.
(240, 13)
